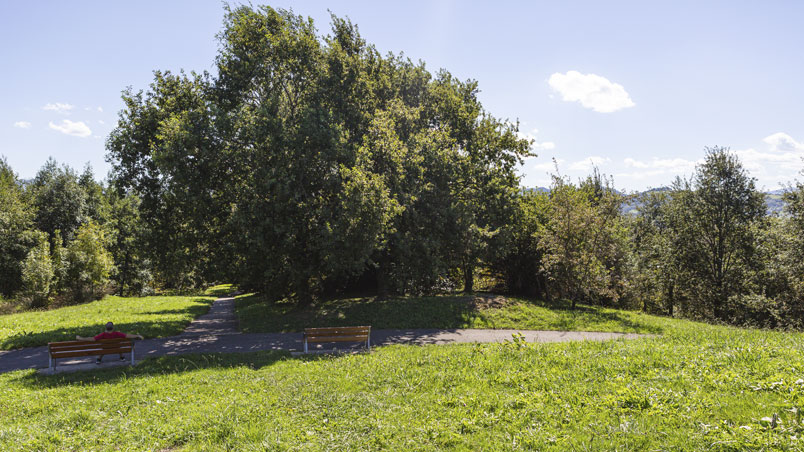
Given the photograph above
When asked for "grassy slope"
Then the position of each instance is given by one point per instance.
(698, 387)
(149, 316)
(259, 315)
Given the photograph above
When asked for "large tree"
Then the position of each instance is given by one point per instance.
(311, 161)
(714, 230)
(59, 199)
(583, 240)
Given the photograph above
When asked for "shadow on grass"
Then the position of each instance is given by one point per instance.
(257, 314)
(163, 365)
(149, 329)
(586, 314)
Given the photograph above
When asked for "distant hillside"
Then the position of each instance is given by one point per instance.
(773, 199)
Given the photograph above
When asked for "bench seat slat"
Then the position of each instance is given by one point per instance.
(337, 339)
(352, 329)
(65, 343)
(88, 346)
(70, 350)
(102, 341)
(337, 333)
(91, 352)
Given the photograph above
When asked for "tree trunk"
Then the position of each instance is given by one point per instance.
(382, 280)
(468, 278)
(670, 300)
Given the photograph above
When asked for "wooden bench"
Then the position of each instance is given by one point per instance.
(338, 334)
(71, 349)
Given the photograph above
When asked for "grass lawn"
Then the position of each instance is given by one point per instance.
(257, 314)
(697, 387)
(149, 316)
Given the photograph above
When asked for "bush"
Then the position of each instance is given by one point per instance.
(756, 310)
(88, 263)
(38, 273)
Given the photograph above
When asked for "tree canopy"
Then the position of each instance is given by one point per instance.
(309, 162)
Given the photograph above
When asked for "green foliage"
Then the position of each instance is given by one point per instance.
(696, 388)
(655, 274)
(583, 241)
(312, 161)
(38, 273)
(127, 233)
(16, 221)
(164, 150)
(521, 264)
(713, 221)
(149, 316)
(60, 202)
(88, 263)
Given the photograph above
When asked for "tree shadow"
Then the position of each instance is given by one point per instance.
(446, 312)
(149, 329)
(593, 314)
(163, 365)
(40, 338)
(257, 313)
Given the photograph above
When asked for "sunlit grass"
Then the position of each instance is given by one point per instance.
(148, 316)
(697, 387)
(220, 290)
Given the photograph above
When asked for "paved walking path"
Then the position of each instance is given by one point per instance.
(216, 332)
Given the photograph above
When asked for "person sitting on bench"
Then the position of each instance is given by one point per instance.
(110, 333)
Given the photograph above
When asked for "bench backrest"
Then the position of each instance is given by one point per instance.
(337, 334)
(69, 349)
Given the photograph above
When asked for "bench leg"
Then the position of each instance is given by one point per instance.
(368, 342)
(132, 356)
(52, 364)
(305, 345)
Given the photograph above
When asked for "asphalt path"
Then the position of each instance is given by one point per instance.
(216, 332)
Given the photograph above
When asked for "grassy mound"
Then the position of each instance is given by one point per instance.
(697, 387)
(257, 314)
(149, 316)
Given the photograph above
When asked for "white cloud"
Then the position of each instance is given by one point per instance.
(22, 125)
(672, 165)
(76, 129)
(755, 160)
(536, 145)
(58, 107)
(656, 167)
(591, 90)
(782, 142)
(548, 166)
(100, 121)
(588, 163)
(100, 109)
(780, 163)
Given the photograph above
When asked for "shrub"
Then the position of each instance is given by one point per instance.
(88, 263)
(37, 273)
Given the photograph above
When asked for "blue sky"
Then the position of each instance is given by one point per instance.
(638, 88)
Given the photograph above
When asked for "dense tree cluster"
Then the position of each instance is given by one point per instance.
(310, 166)
(60, 235)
